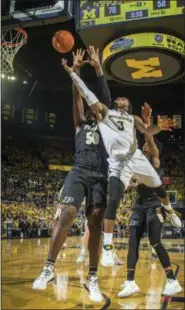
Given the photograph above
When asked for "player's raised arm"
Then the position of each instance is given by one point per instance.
(94, 60)
(92, 101)
(146, 113)
(78, 106)
(162, 124)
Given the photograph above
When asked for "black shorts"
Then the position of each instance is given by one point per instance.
(142, 218)
(83, 183)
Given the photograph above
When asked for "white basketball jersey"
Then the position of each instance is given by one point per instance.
(118, 133)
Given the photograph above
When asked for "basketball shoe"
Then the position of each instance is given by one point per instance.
(172, 287)
(46, 277)
(92, 286)
(173, 218)
(129, 288)
(107, 259)
(80, 259)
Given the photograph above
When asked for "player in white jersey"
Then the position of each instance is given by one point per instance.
(119, 134)
(125, 159)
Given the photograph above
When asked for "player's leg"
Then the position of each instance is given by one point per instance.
(147, 175)
(71, 199)
(154, 227)
(85, 239)
(136, 229)
(95, 225)
(116, 190)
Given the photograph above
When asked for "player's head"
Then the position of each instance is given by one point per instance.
(90, 115)
(122, 103)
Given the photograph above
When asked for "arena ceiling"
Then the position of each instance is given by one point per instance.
(38, 62)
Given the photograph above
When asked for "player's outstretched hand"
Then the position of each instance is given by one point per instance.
(66, 67)
(165, 124)
(94, 56)
(146, 113)
(78, 59)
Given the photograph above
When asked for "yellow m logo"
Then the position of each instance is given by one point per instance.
(146, 68)
(89, 14)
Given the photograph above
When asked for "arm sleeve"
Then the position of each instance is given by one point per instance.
(104, 92)
(83, 90)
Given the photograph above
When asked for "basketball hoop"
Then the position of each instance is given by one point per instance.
(11, 41)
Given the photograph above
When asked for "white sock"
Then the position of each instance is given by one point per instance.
(82, 252)
(107, 238)
(167, 207)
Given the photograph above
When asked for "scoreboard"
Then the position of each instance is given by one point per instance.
(101, 13)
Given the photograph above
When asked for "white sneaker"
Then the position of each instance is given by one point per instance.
(153, 253)
(80, 259)
(129, 288)
(117, 261)
(94, 291)
(172, 287)
(47, 276)
(107, 256)
(173, 218)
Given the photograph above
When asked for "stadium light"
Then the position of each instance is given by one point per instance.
(25, 82)
(3, 76)
(8, 77)
(13, 78)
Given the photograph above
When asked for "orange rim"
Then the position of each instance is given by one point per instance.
(18, 43)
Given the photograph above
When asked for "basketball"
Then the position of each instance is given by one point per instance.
(63, 41)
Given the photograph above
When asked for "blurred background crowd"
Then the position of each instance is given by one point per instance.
(30, 189)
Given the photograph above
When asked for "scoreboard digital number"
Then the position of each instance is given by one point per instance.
(98, 13)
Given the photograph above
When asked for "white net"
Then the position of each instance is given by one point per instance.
(11, 41)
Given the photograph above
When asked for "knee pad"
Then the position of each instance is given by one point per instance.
(161, 192)
(116, 189)
(110, 213)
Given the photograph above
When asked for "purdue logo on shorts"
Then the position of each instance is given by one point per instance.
(133, 223)
(67, 199)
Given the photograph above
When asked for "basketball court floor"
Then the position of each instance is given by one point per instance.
(22, 261)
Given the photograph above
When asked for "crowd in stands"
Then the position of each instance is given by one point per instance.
(29, 188)
(172, 161)
(25, 186)
(28, 154)
(27, 220)
(56, 157)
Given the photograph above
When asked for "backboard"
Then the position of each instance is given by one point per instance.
(20, 13)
